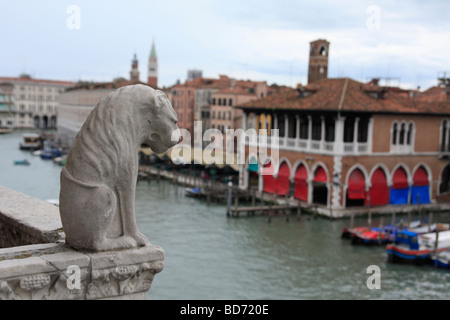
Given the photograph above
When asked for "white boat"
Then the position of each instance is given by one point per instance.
(442, 259)
(31, 141)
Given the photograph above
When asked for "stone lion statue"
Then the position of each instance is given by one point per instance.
(98, 183)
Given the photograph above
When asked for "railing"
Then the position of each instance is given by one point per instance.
(305, 145)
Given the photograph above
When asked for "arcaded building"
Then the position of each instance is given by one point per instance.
(344, 143)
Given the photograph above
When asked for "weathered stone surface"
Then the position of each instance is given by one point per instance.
(49, 273)
(99, 180)
(26, 220)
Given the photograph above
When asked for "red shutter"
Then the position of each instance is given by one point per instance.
(283, 184)
(420, 177)
(268, 179)
(356, 185)
(399, 180)
(300, 184)
(321, 175)
(379, 191)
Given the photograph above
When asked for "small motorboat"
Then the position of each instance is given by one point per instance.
(24, 162)
(194, 192)
(417, 248)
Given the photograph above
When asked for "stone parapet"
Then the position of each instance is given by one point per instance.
(37, 264)
(58, 272)
(25, 220)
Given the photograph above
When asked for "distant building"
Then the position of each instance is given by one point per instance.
(152, 79)
(77, 102)
(194, 74)
(134, 73)
(223, 113)
(6, 106)
(35, 101)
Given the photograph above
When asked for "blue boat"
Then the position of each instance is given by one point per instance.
(409, 246)
(22, 162)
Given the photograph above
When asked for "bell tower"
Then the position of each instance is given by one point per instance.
(134, 73)
(318, 60)
(153, 67)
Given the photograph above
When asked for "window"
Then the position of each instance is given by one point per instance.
(229, 115)
(329, 129)
(402, 136)
(316, 128)
(213, 101)
(220, 102)
(304, 124)
(230, 102)
(445, 136)
(349, 127)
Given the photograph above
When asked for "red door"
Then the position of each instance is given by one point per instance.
(282, 184)
(268, 179)
(301, 184)
(379, 191)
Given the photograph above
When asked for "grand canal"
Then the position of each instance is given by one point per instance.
(210, 256)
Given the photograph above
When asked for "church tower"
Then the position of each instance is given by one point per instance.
(153, 68)
(134, 73)
(318, 60)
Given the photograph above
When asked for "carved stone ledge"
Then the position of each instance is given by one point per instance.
(125, 274)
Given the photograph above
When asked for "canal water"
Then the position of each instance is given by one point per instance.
(210, 256)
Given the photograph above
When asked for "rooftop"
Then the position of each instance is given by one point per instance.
(345, 94)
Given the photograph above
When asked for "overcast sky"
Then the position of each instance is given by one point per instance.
(245, 39)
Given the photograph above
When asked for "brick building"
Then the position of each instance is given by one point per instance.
(344, 143)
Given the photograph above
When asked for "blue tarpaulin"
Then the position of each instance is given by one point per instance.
(399, 196)
(423, 192)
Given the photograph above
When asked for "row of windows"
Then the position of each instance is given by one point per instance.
(221, 115)
(39, 98)
(33, 88)
(222, 102)
(32, 108)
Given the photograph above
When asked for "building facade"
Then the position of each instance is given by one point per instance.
(6, 106)
(35, 101)
(343, 143)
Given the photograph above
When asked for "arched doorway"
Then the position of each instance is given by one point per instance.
(379, 190)
(301, 184)
(283, 185)
(399, 193)
(45, 122)
(252, 171)
(36, 122)
(444, 187)
(268, 179)
(356, 189)
(320, 190)
(420, 190)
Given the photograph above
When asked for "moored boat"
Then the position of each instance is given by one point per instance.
(442, 259)
(24, 162)
(31, 141)
(417, 248)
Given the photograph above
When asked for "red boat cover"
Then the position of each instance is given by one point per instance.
(282, 183)
(399, 180)
(356, 185)
(268, 179)
(420, 177)
(300, 184)
(379, 191)
(320, 175)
